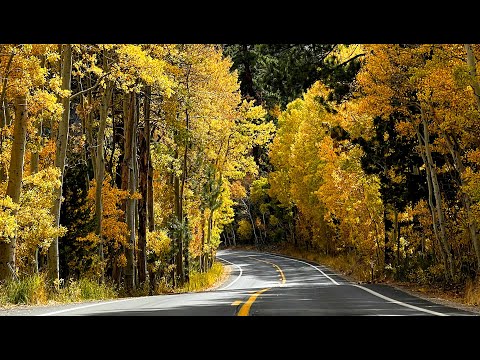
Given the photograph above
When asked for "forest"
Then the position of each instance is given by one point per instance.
(132, 164)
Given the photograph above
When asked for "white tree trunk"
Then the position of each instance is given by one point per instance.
(15, 176)
(60, 156)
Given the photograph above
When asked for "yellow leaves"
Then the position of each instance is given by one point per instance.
(47, 153)
(44, 181)
(33, 222)
(237, 190)
(245, 230)
(405, 128)
(169, 92)
(43, 102)
(135, 196)
(472, 183)
(24, 72)
(474, 156)
(7, 204)
(135, 65)
(8, 224)
(122, 261)
(321, 175)
(114, 227)
(252, 112)
(90, 237)
(275, 111)
(55, 85)
(273, 220)
(394, 177)
(52, 57)
(158, 242)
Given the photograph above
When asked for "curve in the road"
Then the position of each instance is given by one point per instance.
(303, 262)
(238, 277)
(264, 284)
(366, 289)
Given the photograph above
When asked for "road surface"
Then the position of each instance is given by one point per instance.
(263, 284)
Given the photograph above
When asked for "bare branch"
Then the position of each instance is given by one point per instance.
(349, 60)
(90, 88)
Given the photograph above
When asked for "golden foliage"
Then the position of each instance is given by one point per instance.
(114, 227)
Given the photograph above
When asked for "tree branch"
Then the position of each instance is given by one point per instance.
(351, 59)
(90, 88)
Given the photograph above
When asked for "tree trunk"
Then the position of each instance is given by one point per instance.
(100, 172)
(202, 246)
(127, 184)
(430, 200)
(467, 201)
(89, 131)
(396, 236)
(142, 202)
(179, 240)
(150, 211)
(293, 226)
(34, 160)
(185, 255)
(438, 196)
(386, 243)
(247, 207)
(233, 237)
(34, 156)
(265, 227)
(209, 232)
(472, 69)
(60, 156)
(4, 114)
(15, 176)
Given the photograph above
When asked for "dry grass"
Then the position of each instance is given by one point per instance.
(347, 265)
(31, 290)
(34, 290)
(202, 281)
(472, 292)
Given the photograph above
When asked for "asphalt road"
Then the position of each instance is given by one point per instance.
(262, 284)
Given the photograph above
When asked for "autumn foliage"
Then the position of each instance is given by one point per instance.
(134, 163)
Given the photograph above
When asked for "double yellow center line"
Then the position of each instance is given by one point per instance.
(245, 309)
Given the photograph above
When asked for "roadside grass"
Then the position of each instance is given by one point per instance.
(35, 289)
(31, 290)
(202, 281)
(347, 265)
(84, 289)
(472, 292)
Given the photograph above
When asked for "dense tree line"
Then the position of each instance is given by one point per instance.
(120, 162)
(383, 169)
(134, 163)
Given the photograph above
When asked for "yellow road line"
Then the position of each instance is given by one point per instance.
(238, 302)
(244, 310)
(284, 280)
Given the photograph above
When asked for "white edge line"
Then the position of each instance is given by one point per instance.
(120, 300)
(370, 291)
(316, 268)
(238, 277)
(84, 307)
(399, 302)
